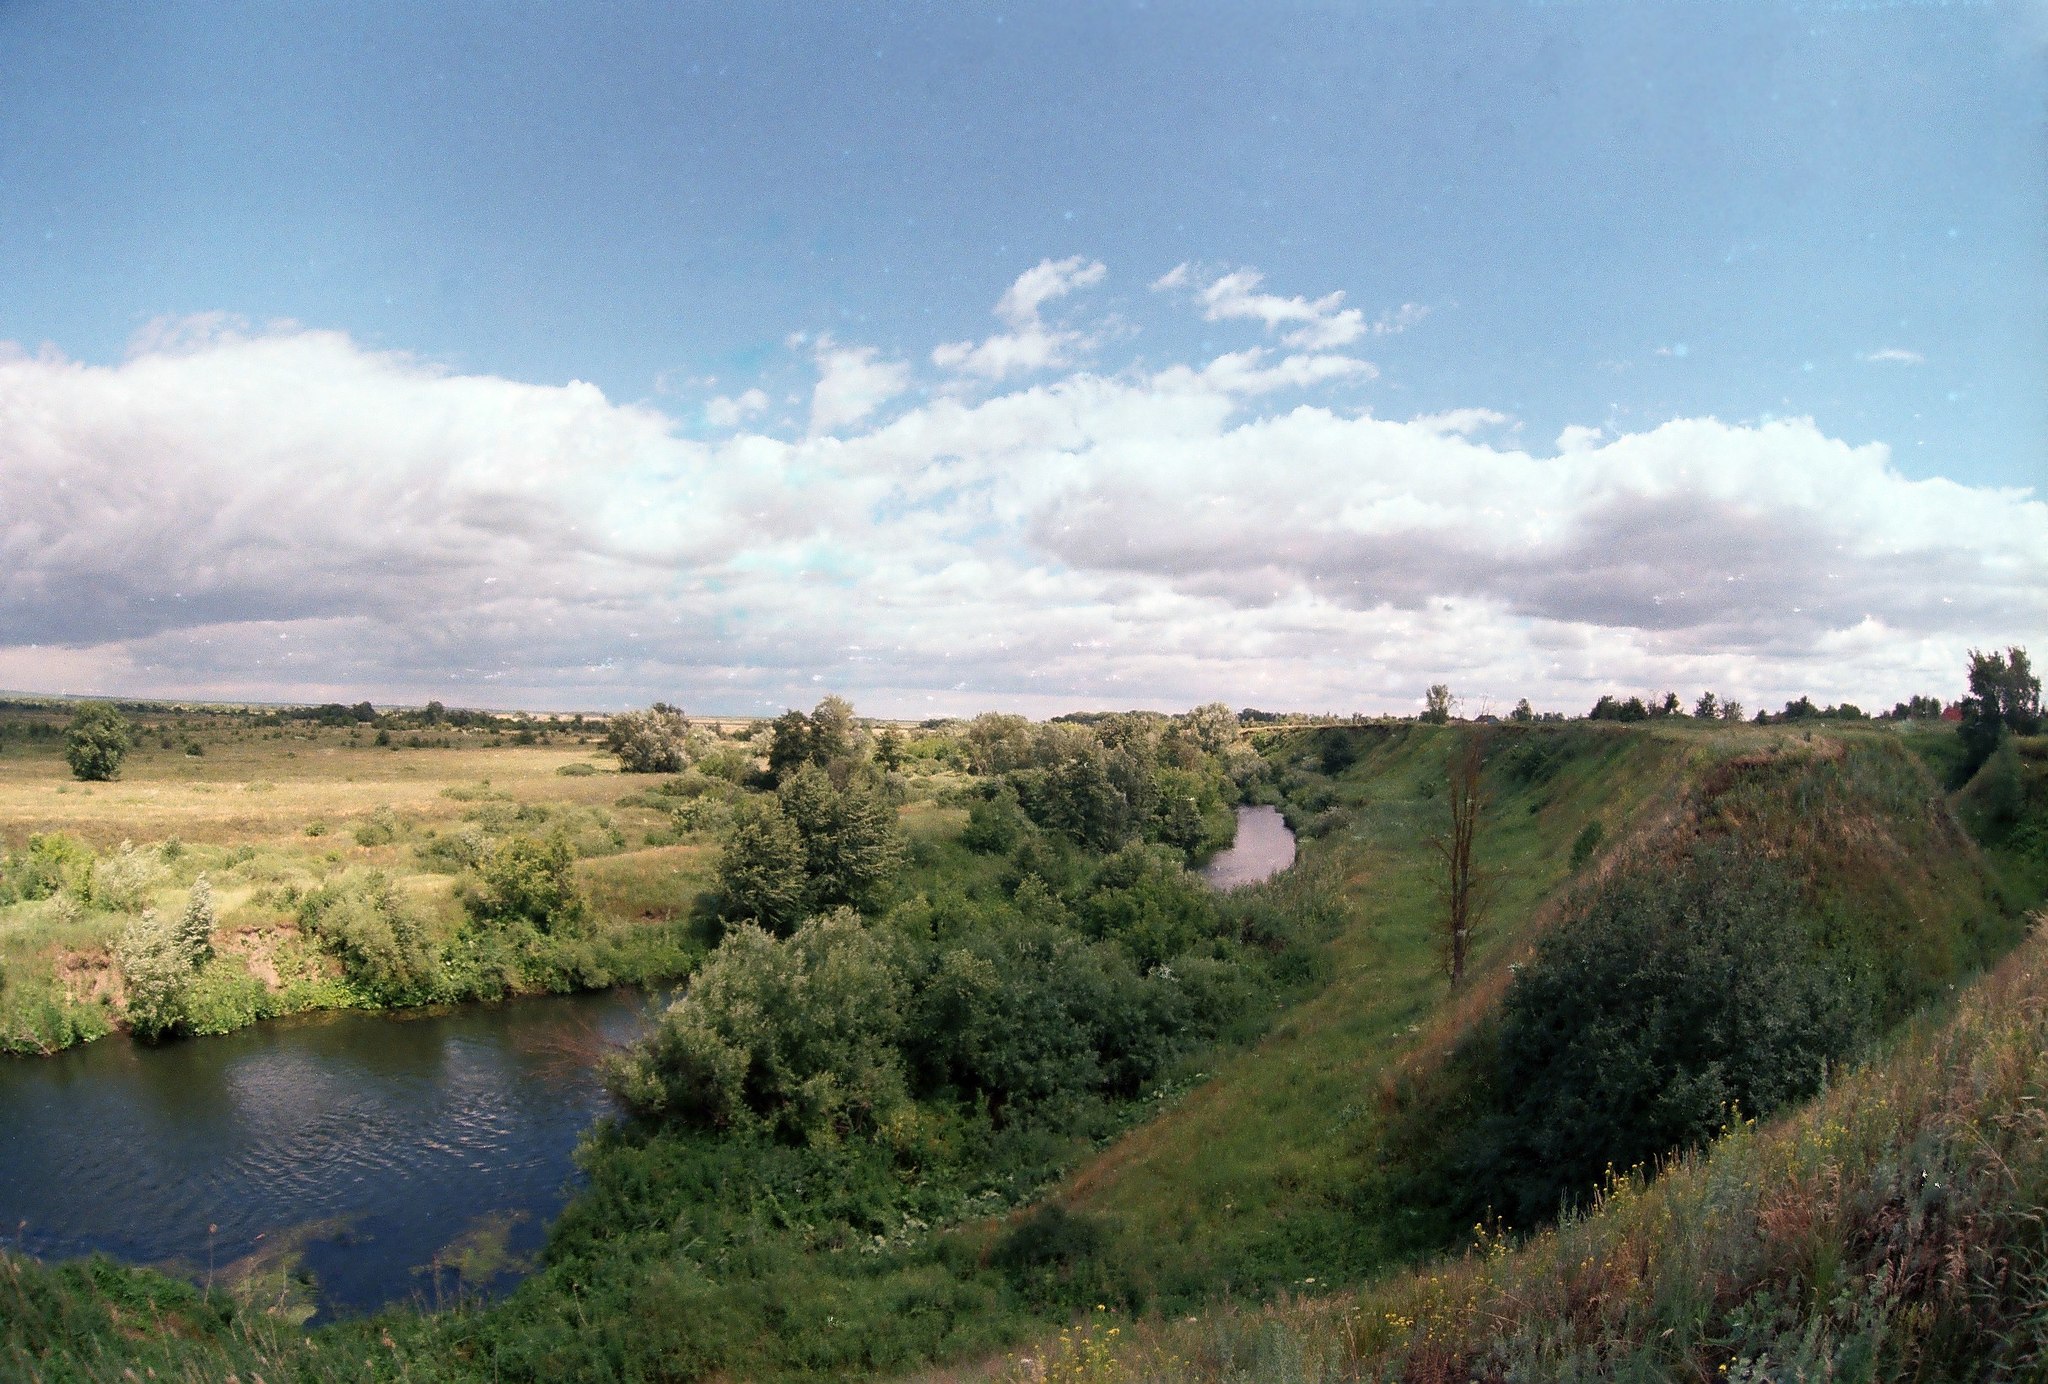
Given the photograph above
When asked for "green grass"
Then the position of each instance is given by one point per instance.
(241, 812)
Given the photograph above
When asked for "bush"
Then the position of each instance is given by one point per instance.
(524, 879)
(120, 883)
(761, 870)
(380, 828)
(796, 1039)
(158, 971)
(654, 741)
(53, 862)
(1672, 999)
(96, 742)
(1586, 842)
(384, 949)
(994, 825)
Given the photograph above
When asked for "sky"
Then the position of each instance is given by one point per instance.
(967, 356)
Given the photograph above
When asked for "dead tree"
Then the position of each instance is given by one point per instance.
(1461, 885)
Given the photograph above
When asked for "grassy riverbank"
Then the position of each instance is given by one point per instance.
(268, 815)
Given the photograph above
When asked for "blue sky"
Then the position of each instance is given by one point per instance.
(1575, 216)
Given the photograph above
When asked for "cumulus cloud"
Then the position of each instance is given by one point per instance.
(1892, 355)
(730, 412)
(853, 381)
(1029, 344)
(286, 513)
(1314, 324)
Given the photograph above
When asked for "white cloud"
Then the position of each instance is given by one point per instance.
(853, 381)
(285, 513)
(1892, 355)
(1045, 281)
(1463, 421)
(1399, 320)
(1030, 344)
(1317, 325)
(724, 412)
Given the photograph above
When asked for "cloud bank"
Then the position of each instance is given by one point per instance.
(283, 513)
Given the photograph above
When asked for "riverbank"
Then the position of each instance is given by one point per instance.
(269, 817)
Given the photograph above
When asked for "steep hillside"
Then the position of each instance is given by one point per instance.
(1890, 1230)
(1319, 1155)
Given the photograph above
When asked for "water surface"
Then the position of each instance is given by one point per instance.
(371, 1144)
(1263, 848)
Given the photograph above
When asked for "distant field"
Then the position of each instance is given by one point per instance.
(268, 814)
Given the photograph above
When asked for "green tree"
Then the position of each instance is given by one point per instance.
(157, 971)
(2005, 697)
(197, 922)
(1670, 999)
(761, 876)
(851, 848)
(96, 742)
(833, 734)
(655, 741)
(797, 1039)
(789, 744)
(384, 948)
(1708, 707)
(1437, 703)
(528, 880)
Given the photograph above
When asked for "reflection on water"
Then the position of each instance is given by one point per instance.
(1263, 848)
(397, 1135)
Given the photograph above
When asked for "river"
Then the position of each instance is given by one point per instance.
(359, 1149)
(1263, 848)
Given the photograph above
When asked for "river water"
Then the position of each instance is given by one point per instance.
(374, 1145)
(1263, 848)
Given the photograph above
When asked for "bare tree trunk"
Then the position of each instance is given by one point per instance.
(1459, 886)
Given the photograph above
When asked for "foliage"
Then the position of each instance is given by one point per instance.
(1672, 999)
(384, 948)
(528, 880)
(121, 882)
(851, 848)
(825, 738)
(197, 922)
(654, 741)
(2005, 698)
(995, 824)
(761, 868)
(53, 861)
(97, 740)
(1608, 709)
(1436, 703)
(157, 968)
(793, 1038)
(1586, 842)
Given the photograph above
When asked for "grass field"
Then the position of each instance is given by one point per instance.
(267, 814)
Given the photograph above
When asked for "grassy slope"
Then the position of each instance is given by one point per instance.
(1728, 1261)
(1891, 1230)
(1248, 1183)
